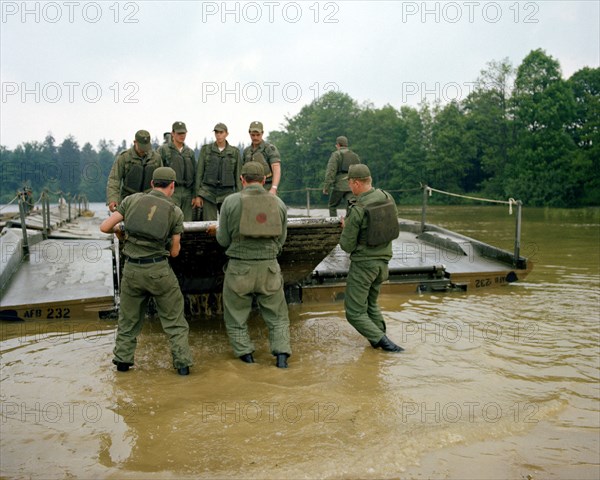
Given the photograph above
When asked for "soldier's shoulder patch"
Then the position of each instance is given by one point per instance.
(271, 149)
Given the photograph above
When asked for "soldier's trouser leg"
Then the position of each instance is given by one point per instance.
(238, 288)
(131, 317)
(362, 290)
(183, 199)
(209, 210)
(273, 307)
(170, 308)
(159, 281)
(335, 197)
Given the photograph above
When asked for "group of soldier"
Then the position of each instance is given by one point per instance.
(151, 193)
(201, 186)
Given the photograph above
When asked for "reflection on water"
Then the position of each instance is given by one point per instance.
(496, 384)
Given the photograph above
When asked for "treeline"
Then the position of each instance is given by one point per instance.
(522, 132)
(64, 169)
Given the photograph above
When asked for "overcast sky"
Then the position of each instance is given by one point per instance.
(102, 70)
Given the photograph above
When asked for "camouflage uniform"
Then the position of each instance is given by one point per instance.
(368, 269)
(266, 154)
(335, 178)
(154, 278)
(120, 182)
(184, 164)
(214, 184)
(253, 270)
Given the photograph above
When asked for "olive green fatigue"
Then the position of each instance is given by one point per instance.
(266, 154)
(252, 270)
(118, 187)
(335, 179)
(209, 185)
(141, 281)
(184, 164)
(368, 269)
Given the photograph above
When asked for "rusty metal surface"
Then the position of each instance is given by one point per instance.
(199, 266)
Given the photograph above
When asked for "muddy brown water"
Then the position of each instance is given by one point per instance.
(500, 384)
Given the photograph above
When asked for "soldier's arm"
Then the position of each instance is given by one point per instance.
(175, 245)
(196, 199)
(161, 153)
(274, 160)
(223, 235)
(109, 223)
(283, 235)
(160, 158)
(176, 230)
(332, 168)
(276, 169)
(349, 237)
(199, 174)
(113, 185)
(238, 171)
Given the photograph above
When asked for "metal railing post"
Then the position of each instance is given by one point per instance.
(518, 233)
(48, 224)
(44, 216)
(424, 208)
(308, 202)
(23, 214)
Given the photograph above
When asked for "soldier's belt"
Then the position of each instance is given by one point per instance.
(144, 261)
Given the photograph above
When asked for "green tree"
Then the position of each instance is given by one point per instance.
(68, 167)
(29, 164)
(449, 161)
(93, 179)
(307, 141)
(382, 134)
(46, 165)
(408, 163)
(541, 169)
(9, 175)
(488, 122)
(585, 131)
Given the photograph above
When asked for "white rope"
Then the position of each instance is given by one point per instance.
(2, 208)
(510, 202)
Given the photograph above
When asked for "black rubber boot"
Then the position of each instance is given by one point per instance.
(282, 360)
(248, 358)
(183, 371)
(122, 367)
(386, 344)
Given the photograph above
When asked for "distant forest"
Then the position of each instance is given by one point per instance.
(522, 132)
